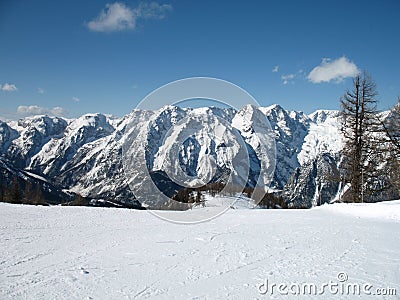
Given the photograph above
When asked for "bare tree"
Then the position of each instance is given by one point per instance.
(361, 146)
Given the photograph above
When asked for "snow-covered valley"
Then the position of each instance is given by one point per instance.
(61, 252)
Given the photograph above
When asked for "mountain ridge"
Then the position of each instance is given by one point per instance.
(84, 155)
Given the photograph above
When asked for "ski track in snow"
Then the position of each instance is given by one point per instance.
(105, 253)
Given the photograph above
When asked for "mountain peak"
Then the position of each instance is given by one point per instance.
(273, 107)
(322, 115)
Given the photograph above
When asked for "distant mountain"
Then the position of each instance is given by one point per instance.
(85, 155)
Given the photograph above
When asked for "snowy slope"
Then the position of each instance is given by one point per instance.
(29, 136)
(53, 157)
(323, 136)
(93, 253)
(387, 210)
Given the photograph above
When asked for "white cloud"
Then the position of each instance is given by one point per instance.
(76, 99)
(40, 91)
(7, 87)
(114, 17)
(152, 10)
(275, 69)
(38, 110)
(287, 78)
(335, 70)
(118, 17)
(58, 111)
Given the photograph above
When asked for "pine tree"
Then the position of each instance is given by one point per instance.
(2, 191)
(27, 198)
(362, 156)
(79, 201)
(37, 197)
(199, 200)
(16, 195)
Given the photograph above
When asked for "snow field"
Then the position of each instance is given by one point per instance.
(105, 253)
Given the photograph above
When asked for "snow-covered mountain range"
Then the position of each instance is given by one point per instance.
(85, 155)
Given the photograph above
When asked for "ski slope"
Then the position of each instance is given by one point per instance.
(105, 253)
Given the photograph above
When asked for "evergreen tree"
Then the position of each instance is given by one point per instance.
(27, 197)
(2, 192)
(79, 201)
(199, 200)
(37, 197)
(15, 195)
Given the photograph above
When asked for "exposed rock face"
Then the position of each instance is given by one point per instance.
(313, 184)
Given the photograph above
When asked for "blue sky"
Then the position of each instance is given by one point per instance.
(74, 57)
